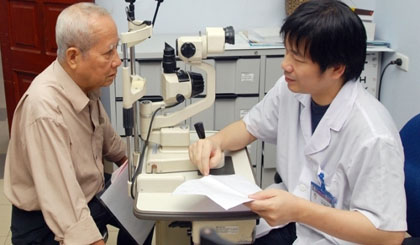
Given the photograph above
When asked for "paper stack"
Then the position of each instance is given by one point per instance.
(266, 36)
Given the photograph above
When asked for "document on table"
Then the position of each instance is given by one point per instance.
(228, 191)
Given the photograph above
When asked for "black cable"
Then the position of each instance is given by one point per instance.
(392, 62)
(139, 167)
(380, 80)
(156, 11)
(146, 142)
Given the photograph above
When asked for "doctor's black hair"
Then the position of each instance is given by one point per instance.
(332, 34)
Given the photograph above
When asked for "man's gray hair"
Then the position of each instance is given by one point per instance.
(74, 27)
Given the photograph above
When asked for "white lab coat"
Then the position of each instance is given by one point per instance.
(356, 145)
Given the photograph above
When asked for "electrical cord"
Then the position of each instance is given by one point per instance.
(146, 142)
(397, 62)
(138, 170)
(156, 11)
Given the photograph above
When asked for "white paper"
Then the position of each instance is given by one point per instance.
(121, 170)
(228, 191)
(266, 36)
(121, 205)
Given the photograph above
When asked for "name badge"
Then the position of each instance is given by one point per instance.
(320, 195)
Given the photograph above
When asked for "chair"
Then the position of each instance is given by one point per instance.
(410, 137)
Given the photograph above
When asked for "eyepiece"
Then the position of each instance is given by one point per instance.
(169, 61)
(229, 35)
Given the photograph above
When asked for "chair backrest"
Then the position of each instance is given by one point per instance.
(410, 137)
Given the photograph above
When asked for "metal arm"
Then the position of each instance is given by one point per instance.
(191, 50)
(133, 85)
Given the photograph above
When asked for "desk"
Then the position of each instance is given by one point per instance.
(155, 201)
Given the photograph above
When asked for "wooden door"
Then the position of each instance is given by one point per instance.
(27, 37)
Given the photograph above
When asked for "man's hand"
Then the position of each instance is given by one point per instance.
(205, 154)
(277, 207)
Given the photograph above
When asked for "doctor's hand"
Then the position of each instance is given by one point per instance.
(277, 207)
(205, 154)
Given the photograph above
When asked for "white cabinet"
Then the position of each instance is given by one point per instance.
(273, 71)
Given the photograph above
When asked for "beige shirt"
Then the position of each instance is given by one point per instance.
(54, 160)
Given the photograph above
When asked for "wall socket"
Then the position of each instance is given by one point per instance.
(405, 61)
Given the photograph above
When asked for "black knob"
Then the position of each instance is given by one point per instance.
(180, 98)
(169, 60)
(199, 128)
(197, 83)
(188, 50)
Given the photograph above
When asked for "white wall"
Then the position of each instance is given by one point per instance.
(191, 16)
(397, 22)
(362, 4)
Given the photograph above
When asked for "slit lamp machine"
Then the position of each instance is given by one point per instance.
(163, 162)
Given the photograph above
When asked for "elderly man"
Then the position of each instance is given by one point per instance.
(60, 135)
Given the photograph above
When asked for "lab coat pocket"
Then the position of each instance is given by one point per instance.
(320, 192)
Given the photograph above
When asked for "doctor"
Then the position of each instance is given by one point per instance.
(338, 151)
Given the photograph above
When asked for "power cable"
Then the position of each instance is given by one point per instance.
(397, 62)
